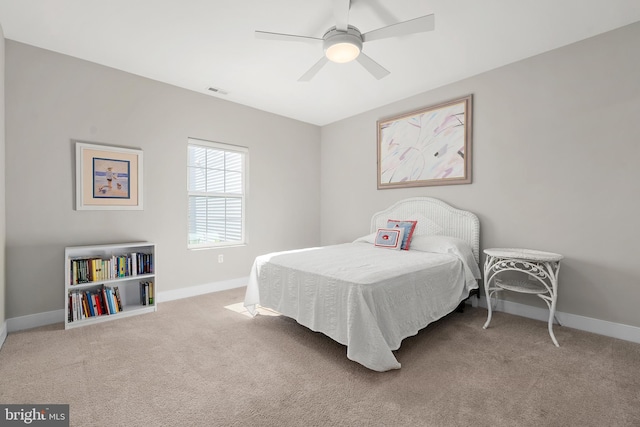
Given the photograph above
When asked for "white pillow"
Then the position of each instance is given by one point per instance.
(445, 245)
(369, 238)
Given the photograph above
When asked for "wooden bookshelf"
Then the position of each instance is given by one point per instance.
(108, 282)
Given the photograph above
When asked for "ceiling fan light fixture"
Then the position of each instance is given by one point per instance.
(341, 47)
(342, 52)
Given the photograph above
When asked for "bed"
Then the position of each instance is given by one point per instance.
(369, 297)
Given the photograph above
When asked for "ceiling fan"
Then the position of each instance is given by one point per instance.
(343, 43)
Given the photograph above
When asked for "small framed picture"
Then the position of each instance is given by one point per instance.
(108, 178)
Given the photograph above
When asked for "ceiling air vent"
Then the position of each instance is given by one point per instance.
(218, 90)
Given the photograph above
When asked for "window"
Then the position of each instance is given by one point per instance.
(217, 189)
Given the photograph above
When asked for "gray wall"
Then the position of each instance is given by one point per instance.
(52, 99)
(555, 167)
(3, 317)
(554, 141)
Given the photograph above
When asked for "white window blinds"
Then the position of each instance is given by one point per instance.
(217, 189)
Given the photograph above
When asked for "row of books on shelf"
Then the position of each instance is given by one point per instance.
(95, 269)
(98, 302)
(146, 293)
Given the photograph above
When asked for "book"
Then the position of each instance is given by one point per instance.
(96, 304)
(83, 302)
(134, 264)
(92, 269)
(115, 300)
(77, 306)
(117, 292)
(70, 308)
(74, 272)
(105, 300)
(143, 294)
(100, 300)
(74, 308)
(90, 311)
(110, 301)
(112, 268)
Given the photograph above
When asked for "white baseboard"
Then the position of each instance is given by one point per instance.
(596, 326)
(35, 320)
(193, 291)
(588, 324)
(3, 333)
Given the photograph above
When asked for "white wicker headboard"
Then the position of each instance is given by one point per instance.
(435, 218)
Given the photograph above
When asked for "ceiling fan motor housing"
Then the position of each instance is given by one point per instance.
(342, 46)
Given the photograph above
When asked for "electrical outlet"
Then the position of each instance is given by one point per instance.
(220, 258)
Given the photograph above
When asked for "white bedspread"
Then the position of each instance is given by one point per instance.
(364, 297)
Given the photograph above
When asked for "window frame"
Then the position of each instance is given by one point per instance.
(244, 151)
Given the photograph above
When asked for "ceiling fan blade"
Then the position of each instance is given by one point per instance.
(286, 37)
(412, 26)
(341, 14)
(314, 70)
(376, 70)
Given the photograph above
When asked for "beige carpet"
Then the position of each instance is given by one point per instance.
(197, 363)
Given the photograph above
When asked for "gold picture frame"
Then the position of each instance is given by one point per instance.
(108, 178)
(430, 146)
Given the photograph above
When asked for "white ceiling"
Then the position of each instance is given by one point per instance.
(197, 44)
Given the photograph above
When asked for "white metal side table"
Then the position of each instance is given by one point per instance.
(543, 267)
